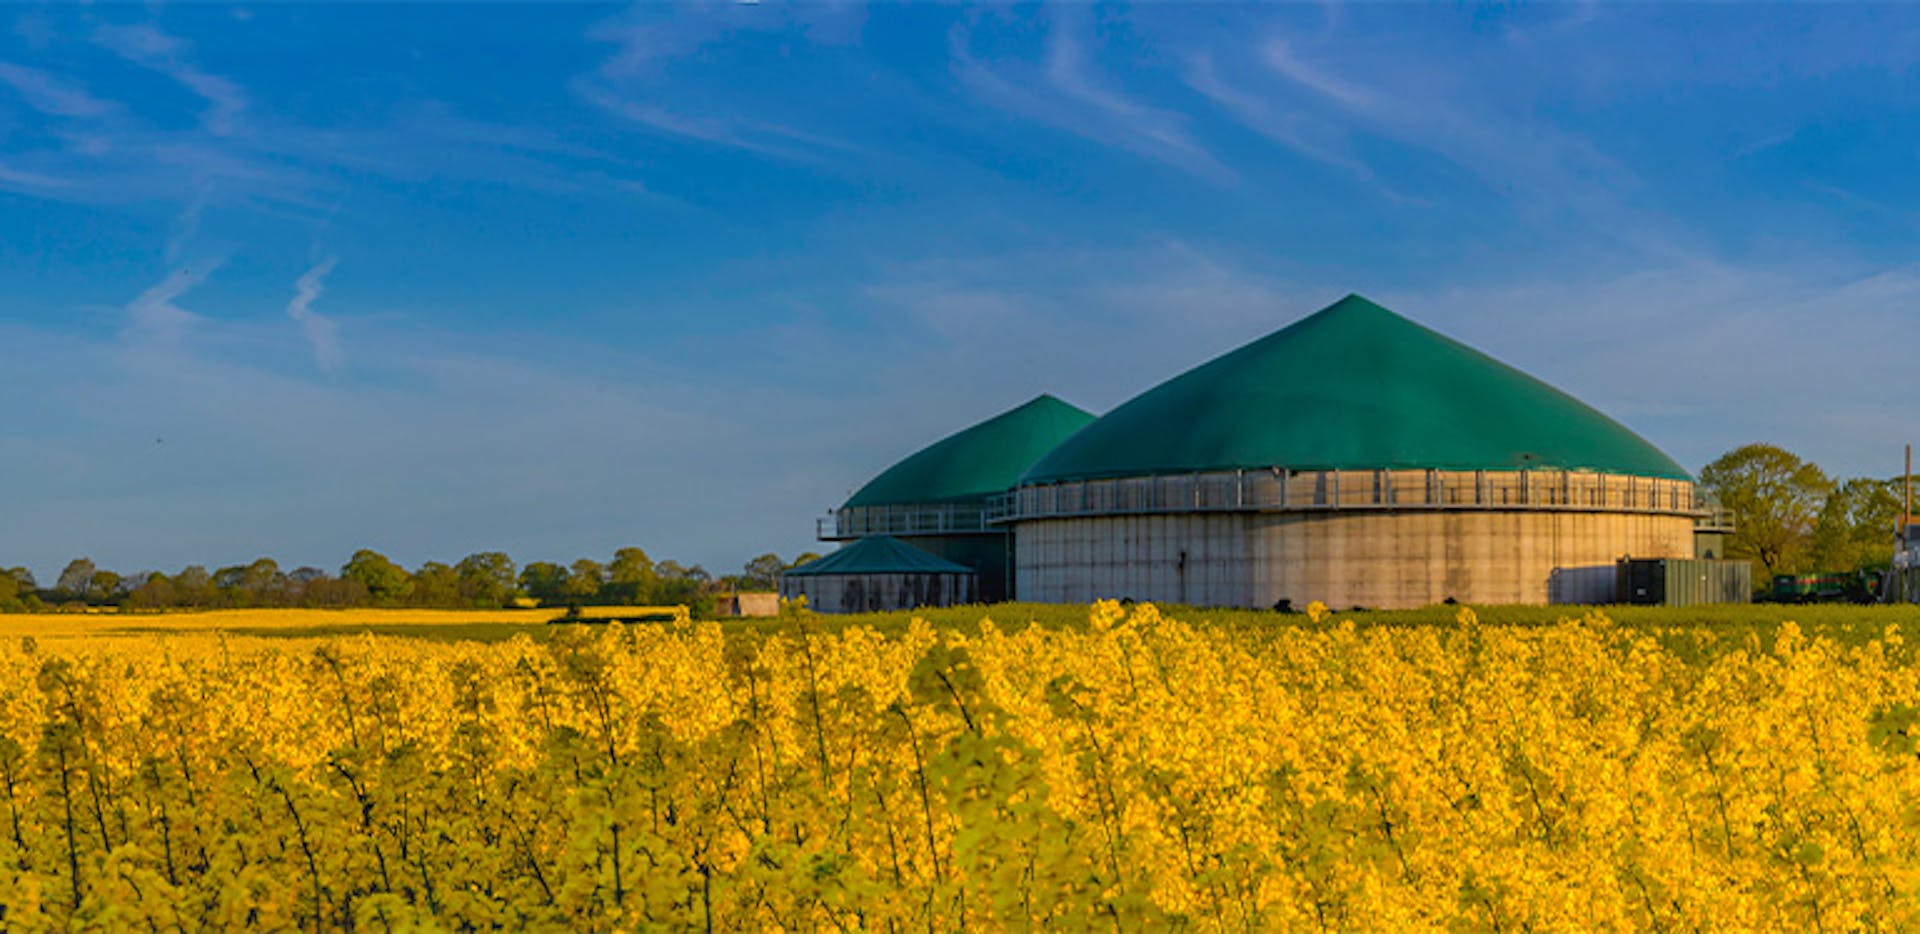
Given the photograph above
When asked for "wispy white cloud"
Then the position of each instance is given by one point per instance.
(187, 224)
(1411, 115)
(630, 83)
(145, 45)
(32, 182)
(1112, 305)
(642, 46)
(715, 130)
(1149, 130)
(155, 317)
(1543, 169)
(649, 38)
(132, 165)
(1069, 93)
(52, 94)
(1579, 15)
(242, 152)
(278, 165)
(98, 151)
(1307, 137)
(321, 332)
(1280, 56)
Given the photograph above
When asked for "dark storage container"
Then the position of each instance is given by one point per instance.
(1683, 581)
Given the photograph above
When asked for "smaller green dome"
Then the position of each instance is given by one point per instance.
(976, 463)
(879, 554)
(1351, 387)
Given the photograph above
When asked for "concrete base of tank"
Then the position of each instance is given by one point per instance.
(1380, 559)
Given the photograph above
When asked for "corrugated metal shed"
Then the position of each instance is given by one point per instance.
(979, 462)
(1353, 386)
(878, 554)
(1683, 581)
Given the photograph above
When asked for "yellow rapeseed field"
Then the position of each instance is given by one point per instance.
(1131, 772)
(301, 622)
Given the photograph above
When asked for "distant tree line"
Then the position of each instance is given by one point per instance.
(487, 579)
(1791, 517)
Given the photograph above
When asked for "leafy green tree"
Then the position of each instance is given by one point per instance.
(103, 587)
(685, 591)
(584, 581)
(804, 557)
(18, 591)
(671, 570)
(688, 586)
(193, 586)
(763, 573)
(75, 579)
(264, 577)
(1774, 498)
(544, 581)
(385, 581)
(157, 592)
(435, 584)
(1855, 527)
(329, 591)
(632, 577)
(261, 583)
(486, 578)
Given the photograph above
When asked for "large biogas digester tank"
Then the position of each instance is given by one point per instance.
(1355, 458)
(937, 499)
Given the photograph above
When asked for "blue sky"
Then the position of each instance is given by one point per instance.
(297, 279)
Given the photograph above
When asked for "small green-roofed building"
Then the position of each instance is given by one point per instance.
(939, 498)
(878, 573)
(879, 554)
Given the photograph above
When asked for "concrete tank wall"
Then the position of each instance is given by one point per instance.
(1377, 558)
(872, 593)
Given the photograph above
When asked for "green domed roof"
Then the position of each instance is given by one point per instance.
(879, 554)
(1352, 387)
(979, 462)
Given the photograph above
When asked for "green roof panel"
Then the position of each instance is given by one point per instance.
(879, 554)
(978, 462)
(1351, 387)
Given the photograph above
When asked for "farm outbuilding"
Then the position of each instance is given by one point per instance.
(877, 573)
(937, 498)
(747, 604)
(1355, 458)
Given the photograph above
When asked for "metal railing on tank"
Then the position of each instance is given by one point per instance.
(854, 522)
(1714, 517)
(1283, 490)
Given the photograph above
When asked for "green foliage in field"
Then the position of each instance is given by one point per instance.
(1728, 625)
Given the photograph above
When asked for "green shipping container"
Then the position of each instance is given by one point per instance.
(1682, 582)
